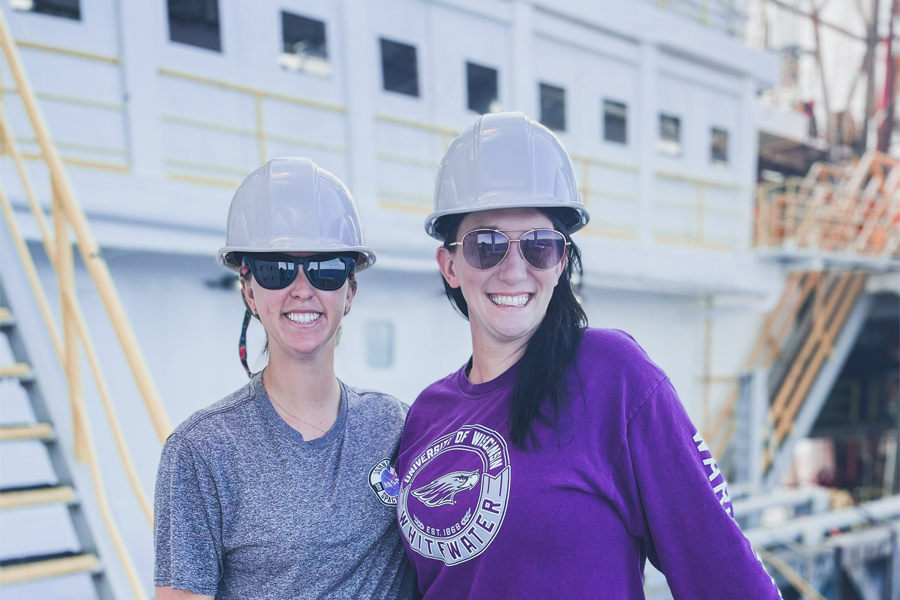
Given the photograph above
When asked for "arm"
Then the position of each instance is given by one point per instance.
(187, 524)
(167, 593)
(692, 537)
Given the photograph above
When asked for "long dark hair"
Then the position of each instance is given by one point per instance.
(542, 369)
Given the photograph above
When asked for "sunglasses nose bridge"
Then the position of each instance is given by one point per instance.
(301, 286)
(513, 267)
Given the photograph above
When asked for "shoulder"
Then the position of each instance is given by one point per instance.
(614, 344)
(216, 420)
(449, 385)
(613, 355)
(377, 404)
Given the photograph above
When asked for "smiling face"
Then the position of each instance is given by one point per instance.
(300, 320)
(508, 302)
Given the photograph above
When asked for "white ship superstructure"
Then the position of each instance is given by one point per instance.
(159, 109)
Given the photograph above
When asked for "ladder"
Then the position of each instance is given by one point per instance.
(60, 491)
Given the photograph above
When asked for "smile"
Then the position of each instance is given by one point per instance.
(504, 300)
(303, 318)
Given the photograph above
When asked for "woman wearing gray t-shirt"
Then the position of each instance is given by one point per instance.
(284, 489)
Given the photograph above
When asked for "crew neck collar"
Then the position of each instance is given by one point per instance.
(280, 425)
(478, 390)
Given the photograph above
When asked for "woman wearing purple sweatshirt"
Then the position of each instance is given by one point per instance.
(559, 458)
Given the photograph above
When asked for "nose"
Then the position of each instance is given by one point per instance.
(513, 269)
(301, 288)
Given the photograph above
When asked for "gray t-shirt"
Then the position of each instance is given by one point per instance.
(246, 509)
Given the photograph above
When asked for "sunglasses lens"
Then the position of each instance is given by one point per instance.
(543, 249)
(274, 274)
(328, 273)
(484, 249)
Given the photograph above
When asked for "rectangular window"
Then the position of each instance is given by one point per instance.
(68, 9)
(669, 141)
(482, 85)
(615, 120)
(380, 344)
(553, 107)
(399, 69)
(719, 150)
(195, 22)
(304, 47)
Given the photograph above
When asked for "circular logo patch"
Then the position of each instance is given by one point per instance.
(454, 495)
(384, 482)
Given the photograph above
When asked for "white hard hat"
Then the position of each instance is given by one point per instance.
(506, 160)
(292, 205)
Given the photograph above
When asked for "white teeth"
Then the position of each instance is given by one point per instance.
(509, 300)
(303, 317)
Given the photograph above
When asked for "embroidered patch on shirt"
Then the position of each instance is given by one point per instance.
(384, 482)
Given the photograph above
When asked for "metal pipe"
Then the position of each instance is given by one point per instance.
(883, 509)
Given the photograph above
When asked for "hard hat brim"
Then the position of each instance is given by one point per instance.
(366, 255)
(581, 213)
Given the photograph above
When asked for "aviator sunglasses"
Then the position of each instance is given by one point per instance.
(484, 249)
(326, 272)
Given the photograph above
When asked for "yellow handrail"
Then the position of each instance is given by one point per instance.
(79, 416)
(90, 252)
(69, 302)
(65, 210)
(803, 586)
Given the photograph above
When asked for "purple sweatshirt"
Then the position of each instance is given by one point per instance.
(622, 478)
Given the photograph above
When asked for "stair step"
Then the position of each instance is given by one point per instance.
(31, 431)
(36, 495)
(15, 370)
(19, 570)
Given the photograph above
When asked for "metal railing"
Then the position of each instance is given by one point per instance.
(834, 209)
(67, 219)
(259, 131)
(78, 154)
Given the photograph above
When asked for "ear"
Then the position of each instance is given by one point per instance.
(351, 292)
(247, 290)
(445, 261)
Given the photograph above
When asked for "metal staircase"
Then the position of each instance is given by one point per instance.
(54, 562)
(841, 223)
(62, 227)
(801, 348)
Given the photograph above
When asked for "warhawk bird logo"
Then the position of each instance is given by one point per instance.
(442, 490)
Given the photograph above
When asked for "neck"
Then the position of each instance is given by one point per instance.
(307, 395)
(490, 358)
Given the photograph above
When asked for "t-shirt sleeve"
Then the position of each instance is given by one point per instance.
(187, 521)
(691, 535)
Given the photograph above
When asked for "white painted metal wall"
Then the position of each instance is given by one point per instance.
(158, 135)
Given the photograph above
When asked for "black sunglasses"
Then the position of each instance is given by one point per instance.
(484, 249)
(326, 272)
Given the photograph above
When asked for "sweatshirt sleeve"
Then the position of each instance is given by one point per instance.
(690, 533)
(187, 521)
